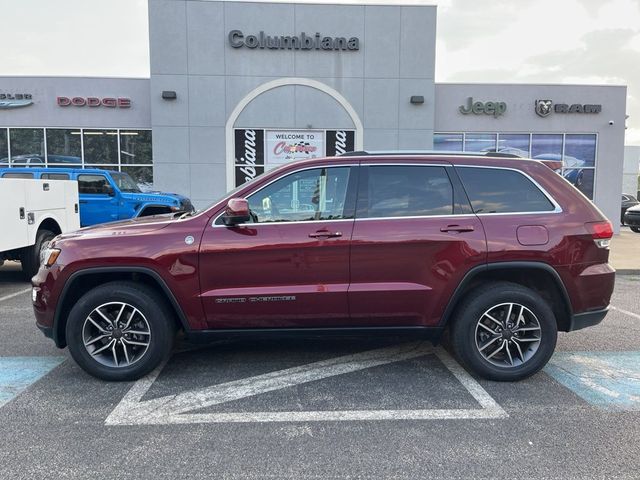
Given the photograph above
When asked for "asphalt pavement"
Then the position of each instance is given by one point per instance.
(321, 408)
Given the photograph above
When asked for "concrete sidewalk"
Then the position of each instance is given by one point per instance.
(625, 251)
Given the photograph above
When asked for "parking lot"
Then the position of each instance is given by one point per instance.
(321, 408)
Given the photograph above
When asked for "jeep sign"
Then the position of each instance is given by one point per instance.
(488, 108)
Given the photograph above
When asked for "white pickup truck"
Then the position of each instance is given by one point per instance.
(32, 212)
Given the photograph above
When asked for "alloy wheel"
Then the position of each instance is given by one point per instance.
(116, 334)
(508, 335)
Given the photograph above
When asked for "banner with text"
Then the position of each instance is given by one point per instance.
(284, 146)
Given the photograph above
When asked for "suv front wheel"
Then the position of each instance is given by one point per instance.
(120, 331)
(504, 331)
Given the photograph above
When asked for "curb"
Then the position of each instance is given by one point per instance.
(628, 271)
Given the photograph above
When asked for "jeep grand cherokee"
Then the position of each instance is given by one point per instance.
(503, 253)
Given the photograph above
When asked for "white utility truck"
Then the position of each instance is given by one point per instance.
(32, 212)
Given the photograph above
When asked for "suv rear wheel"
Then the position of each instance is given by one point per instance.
(504, 331)
(120, 331)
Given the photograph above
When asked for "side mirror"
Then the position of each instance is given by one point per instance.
(237, 212)
(111, 192)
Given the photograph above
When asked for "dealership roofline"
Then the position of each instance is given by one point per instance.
(88, 77)
(535, 84)
(365, 3)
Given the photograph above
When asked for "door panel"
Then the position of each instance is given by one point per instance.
(413, 241)
(275, 275)
(289, 267)
(96, 205)
(404, 270)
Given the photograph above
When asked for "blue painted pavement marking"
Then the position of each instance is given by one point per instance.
(608, 380)
(17, 373)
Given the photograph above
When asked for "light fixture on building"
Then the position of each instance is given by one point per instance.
(169, 95)
(417, 99)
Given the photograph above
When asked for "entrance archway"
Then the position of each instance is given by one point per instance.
(265, 87)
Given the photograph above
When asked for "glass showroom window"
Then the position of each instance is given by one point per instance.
(64, 147)
(100, 147)
(578, 163)
(516, 143)
(26, 146)
(448, 142)
(546, 146)
(4, 148)
(136, 157)
(480, 142)
(135, 147)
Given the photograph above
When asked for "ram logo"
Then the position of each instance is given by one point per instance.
(543, 107)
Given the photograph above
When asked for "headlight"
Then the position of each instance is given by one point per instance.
(50, 256)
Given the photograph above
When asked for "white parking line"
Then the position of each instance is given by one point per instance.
(7, 297)
(626, 312)
(173, 409)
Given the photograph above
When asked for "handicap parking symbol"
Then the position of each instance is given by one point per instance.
(608, 380)
(17, 373)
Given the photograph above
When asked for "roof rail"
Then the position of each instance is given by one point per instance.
(364, 153)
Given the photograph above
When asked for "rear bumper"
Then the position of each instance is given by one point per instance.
(587, 319)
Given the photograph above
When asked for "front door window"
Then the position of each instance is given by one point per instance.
(308, 195)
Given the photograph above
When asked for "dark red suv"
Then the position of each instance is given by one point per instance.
(502, 252)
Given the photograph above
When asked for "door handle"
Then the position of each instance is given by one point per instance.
(325, 234)
(457, 228)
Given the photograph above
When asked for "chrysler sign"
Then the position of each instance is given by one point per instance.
(304, 41)
(15, 100)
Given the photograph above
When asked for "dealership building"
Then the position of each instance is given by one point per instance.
(237, 88)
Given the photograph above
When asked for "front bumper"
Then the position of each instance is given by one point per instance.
(587, 319)
(47, 331)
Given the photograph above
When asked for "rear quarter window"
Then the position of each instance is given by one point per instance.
(17, 175)
(494, 190)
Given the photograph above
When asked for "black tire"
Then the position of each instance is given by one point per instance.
(157, 314)
(479, 301)
(30, 258)
(635, 229)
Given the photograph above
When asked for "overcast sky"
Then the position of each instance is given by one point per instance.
(547, 41)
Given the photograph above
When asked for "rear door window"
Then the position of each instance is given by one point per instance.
(55, 176)
(406, 191)
(93, 184)
(495, 190)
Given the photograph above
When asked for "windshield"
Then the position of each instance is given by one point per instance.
(125, 182)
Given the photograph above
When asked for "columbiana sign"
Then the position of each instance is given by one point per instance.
(237, 39)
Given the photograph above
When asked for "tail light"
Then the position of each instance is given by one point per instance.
(601, 232)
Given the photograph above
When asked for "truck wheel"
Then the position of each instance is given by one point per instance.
(635, 229)
(31, 257)
(503, 331)
(120, 331)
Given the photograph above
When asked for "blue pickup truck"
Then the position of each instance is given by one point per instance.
(107, 195)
